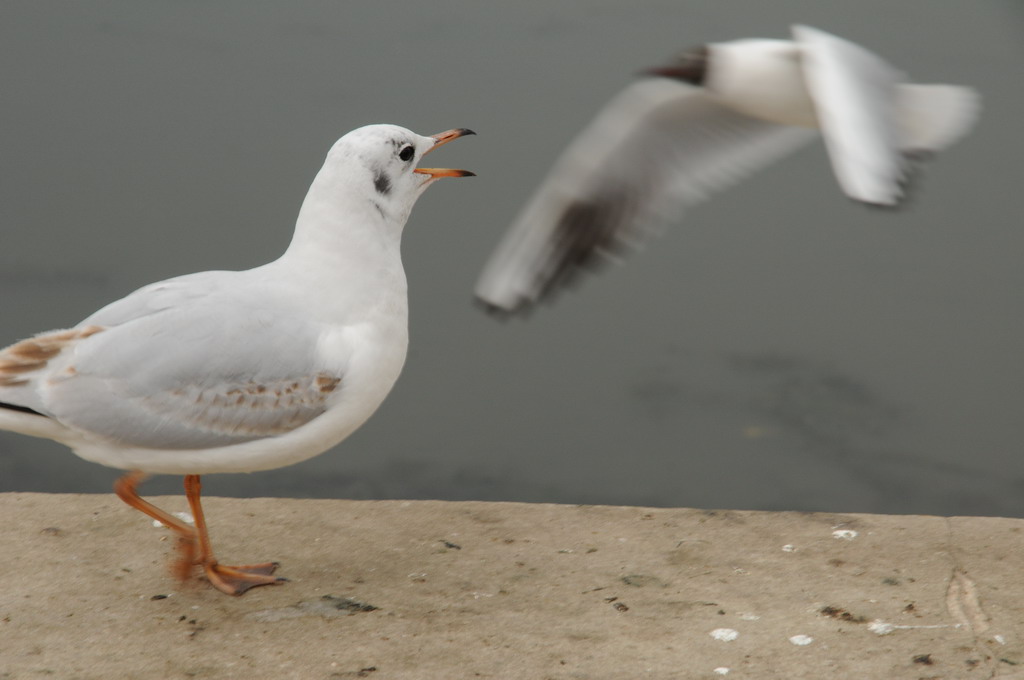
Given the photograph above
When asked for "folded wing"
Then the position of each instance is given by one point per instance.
(169, 367)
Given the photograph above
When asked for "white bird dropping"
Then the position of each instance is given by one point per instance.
(724, 634)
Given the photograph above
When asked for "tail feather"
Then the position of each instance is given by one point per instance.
(933, 117)
(27, 420)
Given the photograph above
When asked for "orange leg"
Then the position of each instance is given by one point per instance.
(231, 580)
(125, 490)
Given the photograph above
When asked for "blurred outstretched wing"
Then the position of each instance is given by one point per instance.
(658, 147)
(856, 94)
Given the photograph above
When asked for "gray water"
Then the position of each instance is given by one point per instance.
(782, 348)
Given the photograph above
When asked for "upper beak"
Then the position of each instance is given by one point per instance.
(440, 139)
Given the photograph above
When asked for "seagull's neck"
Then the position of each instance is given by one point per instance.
(349, 249)
(343, 226)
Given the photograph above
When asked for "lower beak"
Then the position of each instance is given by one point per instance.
(440, 139)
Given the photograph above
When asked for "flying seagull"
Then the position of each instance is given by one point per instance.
(700, 124)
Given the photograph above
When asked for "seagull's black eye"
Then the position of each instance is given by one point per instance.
(406, 153)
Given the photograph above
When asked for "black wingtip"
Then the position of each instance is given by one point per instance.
(914, 162)
(498, 312)
(20, 409)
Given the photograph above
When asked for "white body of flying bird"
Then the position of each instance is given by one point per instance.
(232, 371)
(706, 120)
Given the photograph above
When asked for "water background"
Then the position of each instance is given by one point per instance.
(783, 348)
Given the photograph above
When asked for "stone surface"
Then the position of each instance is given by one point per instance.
(396, 589)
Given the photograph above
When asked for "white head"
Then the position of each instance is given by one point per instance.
(378, 162)
(368, 184)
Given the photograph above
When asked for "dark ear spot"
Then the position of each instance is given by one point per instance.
(382, 183)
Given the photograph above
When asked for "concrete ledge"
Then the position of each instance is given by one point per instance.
(506, 590)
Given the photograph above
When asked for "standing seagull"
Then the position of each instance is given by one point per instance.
(228, 371)
(716, 114)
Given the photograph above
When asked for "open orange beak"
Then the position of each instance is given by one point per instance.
(440, 139)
